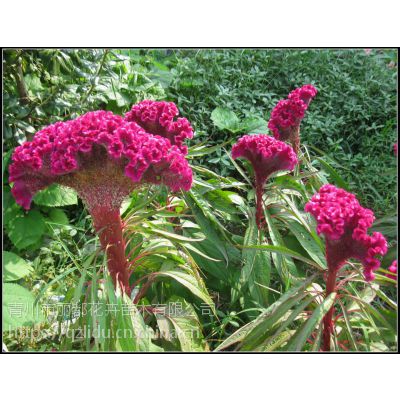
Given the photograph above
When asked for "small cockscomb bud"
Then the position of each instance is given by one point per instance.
(158, 118)
(344, 223)
(392, 271)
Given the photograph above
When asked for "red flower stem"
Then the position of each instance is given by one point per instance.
(259, 201)
(328, 323)
(296, 142)
(108, 225)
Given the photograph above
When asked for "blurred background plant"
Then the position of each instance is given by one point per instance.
(200, 249)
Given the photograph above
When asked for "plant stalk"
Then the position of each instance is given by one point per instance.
(327, 321)
(259, 201)
(108, 225)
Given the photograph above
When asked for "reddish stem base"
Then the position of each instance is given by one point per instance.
(327, 321)
(259, 201)
(108, 225)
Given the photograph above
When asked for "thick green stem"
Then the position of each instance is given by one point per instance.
(108, 225)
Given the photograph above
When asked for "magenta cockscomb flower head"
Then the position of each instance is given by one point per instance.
(287, 115)
(305, 93)
(158, 118)
(103, 157)
(392, 271)
(395, 149)
(344, 223)
(96, 150)
(267, 155)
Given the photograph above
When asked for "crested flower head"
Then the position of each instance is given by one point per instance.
(392, 270)
(286, 117)
(157, 117)
(306, 93)
(100, 155)
(344, 222)
(266, 154)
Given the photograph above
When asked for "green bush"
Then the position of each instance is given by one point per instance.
(352, 119)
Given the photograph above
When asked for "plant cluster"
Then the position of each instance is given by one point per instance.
(275, 253)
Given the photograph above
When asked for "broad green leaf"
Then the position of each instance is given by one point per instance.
(56, 196)
(58, 217)
(284, 265)
(26, 230)
(254, 126)
(207, 227)
(312, 245)
(190, 282)
(200, 253)
(186, 325)
(225, 119)
(18, 307)
(14, 267)
(256, 270)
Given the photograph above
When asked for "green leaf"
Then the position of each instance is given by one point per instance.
(27, 229)
(225, 119)
(312, 244)
(333, 174)
(186, 325)
(253, 126)
(174, 236)
(33, 83)
(56, 196)
(18, 307)
(298, 341)
(255, 332)
(14, 267)
(286, 252)
(284, 265)
(190, 282)
(200, 253)
(257, 267)
(58, 217)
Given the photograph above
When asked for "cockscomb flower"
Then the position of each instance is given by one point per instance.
(306, 93)
(392, 271)
(344, 223)
(267, 155)
(395, 149)
(157, 117)
(103, 157)
(287, 115)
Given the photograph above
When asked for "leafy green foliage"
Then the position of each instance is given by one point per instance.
(18, 307)
(56, 196)
(14, 267)
(352, 119)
